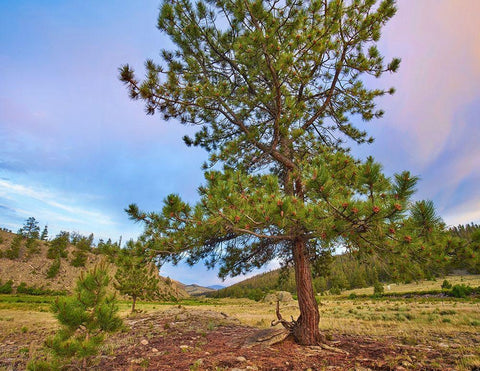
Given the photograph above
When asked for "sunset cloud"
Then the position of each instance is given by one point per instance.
(440, 70)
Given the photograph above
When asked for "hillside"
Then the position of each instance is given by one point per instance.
(197, 290)
(32, 267)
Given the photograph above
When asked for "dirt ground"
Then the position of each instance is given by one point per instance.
(205, 340)
(191, 339)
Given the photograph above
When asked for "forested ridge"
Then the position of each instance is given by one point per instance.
(462, 250)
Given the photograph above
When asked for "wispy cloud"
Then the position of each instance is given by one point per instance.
(62, 208)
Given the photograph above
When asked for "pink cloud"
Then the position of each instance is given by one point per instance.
(440, 72)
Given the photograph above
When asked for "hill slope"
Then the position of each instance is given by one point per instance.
(32, 268)
(197, 290)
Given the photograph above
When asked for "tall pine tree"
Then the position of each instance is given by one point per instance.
(274, 88)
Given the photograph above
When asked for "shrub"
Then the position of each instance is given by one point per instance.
(461, 291)
(85, 317)
(13, 252)
(378, 289)
(79, 258)
(54, 269)
(36, 291)
(6, 288)
(446, 285)
(335, 290)
(32, 246)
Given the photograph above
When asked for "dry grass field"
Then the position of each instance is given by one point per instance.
(421, 331)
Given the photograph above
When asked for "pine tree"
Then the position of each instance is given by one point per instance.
(85, 317)
(30, 229)
(134, 277)
(83, 245)
(275, 87)
(57, 248)
(44, 235)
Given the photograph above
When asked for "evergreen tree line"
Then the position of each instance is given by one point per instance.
(29, 237)
(460, 251)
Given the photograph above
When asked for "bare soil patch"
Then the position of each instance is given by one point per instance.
(182, 339)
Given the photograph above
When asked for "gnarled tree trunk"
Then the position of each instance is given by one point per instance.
(305, 329)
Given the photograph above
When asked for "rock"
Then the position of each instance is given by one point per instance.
(241, 359)
(266, 337)
(406, 364)
(184, 347)
(144, 342)
(282, 296)
(154, 350)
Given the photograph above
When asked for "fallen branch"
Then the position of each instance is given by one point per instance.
(289, 325)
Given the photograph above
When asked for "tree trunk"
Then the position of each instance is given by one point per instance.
(305, 330)
(133, 303)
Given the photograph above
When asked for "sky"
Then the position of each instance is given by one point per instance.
(75, 150)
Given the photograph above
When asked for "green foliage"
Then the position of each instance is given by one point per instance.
(43, 365)
(13, 252)
(273, 86)
(58, 246)
(82, 245)
(23, 288)
(30, 229)
(446, 285)
(44, 235)
(6, 288)
(79, 258)
(53, 269)
(134, 277)
(108, 249)
(85, 317)
(378, 289)
(461, 291)
(32, 246)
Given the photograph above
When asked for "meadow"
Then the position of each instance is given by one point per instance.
(423, 325)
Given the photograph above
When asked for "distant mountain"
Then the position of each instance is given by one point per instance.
(197, 290)
(216, 287)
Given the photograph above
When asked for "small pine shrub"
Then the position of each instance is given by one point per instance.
(54, 269)
(85, 317)
(13, 252)
(36, 291)
(42, 365)
(79, 259)
(378, 289)
(446, 285)
(6, 288)
(32, 246)
(461, 291)
(335, 290)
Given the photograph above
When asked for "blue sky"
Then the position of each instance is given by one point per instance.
(75, 151)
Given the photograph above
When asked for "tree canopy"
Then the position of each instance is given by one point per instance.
(276, 88)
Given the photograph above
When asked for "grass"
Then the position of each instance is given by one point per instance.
(431, 285)
(448, 324)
